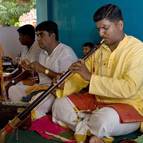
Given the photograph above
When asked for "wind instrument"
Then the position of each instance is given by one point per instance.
(13, 124)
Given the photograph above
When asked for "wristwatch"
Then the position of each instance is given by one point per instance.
(46, 71)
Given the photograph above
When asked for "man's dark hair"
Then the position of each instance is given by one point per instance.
(88, 44)
(109, 11)
(27, 30)
(50, 27)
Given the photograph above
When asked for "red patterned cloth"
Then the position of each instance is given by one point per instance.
(45, 124)
(88, 101)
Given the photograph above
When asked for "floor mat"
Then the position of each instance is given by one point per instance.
(39, 129)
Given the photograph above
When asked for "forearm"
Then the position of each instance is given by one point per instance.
(50, 73)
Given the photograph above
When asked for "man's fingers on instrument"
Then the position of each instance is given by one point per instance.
(31, 66)
(26, 62)
(61, 86)
(75, 68)
(81, 61)
(76, 65)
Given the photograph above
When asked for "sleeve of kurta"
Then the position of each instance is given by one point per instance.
(127, 85)
(74, 83)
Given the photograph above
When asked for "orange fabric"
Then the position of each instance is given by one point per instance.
(35, 87)
(87, 101)
(83, 101)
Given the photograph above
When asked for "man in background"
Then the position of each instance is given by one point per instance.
(87, 47)
(31, 50)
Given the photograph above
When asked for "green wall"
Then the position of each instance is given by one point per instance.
(76, 25)
(41, 6)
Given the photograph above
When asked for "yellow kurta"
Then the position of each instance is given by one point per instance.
(117, 77)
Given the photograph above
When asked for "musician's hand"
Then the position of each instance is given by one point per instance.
(80, 68)
(29, 81)
(37, 67)
(25, 64)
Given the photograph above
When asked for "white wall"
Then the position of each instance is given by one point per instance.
(9, 39)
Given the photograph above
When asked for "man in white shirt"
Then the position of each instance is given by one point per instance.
(54, 59)
(31, 49)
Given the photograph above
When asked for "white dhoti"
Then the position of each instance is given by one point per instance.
(102, 122)
(44, 107)
(17, 91)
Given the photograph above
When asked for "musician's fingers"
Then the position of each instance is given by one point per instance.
(27, 62)
(81, 61)
(74, 68)
(76, 65)
(61, 86)
(31, 66)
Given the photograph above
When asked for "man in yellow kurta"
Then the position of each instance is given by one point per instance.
(114, 74)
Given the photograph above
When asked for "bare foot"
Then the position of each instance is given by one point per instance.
(95, 139)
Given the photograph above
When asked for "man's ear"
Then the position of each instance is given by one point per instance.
(53, 35)
(121, 25)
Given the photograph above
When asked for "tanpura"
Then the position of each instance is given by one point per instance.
(28, 77)
(24, 74)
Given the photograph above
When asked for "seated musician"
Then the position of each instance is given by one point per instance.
(31, 51)
(114, 73)
(28, 53)
(55, 58)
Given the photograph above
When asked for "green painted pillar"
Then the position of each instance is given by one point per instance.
(42, 10)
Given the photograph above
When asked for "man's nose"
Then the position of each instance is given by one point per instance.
(101, 32)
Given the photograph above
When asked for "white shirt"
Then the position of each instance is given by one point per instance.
(58, 61)
(31, 54)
